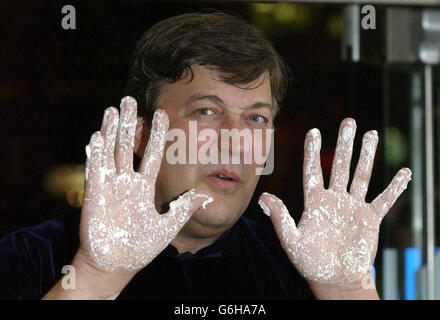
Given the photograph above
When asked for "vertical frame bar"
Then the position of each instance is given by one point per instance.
(429, 159)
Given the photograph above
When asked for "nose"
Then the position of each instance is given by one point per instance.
(235, 141)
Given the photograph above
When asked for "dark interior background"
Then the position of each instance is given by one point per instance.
(56, 83)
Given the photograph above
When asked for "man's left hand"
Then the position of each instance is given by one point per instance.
(335, 243)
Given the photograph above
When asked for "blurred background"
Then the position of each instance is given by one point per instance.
(56, 83)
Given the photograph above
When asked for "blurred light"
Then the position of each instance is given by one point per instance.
(395, 146)
(72, 198)
(65, 182)
(334, 25)
(286, 13)
(80, 197)
(263, 8)
(291, 13)
(271, 17)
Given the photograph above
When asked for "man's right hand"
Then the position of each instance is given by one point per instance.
(120, 230)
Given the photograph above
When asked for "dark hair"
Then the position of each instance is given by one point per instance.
(239, 52)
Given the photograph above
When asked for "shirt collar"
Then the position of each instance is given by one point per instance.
(214, 250)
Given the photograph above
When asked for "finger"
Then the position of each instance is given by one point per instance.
(386, 199)
(283, 223)
(109, 128)
(93, 163)
(182, 209)
(125, 136)
(312, 171)
(150, 164)
(364, 168)
(342, 160)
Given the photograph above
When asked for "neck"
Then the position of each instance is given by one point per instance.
(184, 243)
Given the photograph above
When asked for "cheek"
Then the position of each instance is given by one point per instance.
(262, 141)
(253, 180)
(179, 174)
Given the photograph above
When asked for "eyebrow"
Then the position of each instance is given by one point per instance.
(217, 100)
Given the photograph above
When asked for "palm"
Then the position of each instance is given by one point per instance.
(336, 238)
(120, 227)
(120, 237)
(336, 245)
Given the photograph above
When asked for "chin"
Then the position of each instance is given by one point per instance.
(215, 218)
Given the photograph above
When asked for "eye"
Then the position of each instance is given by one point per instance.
(204, 112)
(257, 118)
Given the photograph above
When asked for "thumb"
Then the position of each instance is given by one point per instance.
(182, 209)
(283, 223)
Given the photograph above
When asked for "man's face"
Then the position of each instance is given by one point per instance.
(214, 105)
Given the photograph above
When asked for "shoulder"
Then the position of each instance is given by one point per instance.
(46, 234)
(30, 258)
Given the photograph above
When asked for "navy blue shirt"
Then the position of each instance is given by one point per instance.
(246, 262)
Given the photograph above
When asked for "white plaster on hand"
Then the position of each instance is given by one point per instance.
(120, 227)
(336, 239)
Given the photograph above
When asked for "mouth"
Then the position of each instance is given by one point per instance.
(224, 180)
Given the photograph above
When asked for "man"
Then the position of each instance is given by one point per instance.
(175, 230)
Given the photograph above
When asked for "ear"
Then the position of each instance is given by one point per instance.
(141, 136)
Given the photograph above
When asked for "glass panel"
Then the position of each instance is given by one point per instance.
(405, 238)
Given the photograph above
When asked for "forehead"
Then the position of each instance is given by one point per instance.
(208, 82)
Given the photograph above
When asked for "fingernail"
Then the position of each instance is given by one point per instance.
(105, 119)
(269, 196)
(314, 133)
(128, 100)
(370, 136)
(408, 179)
(313, 140)
(128, 107)
(88, 151)
(348, 132)
(159, 114)
(96, 140)
(265, 208)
